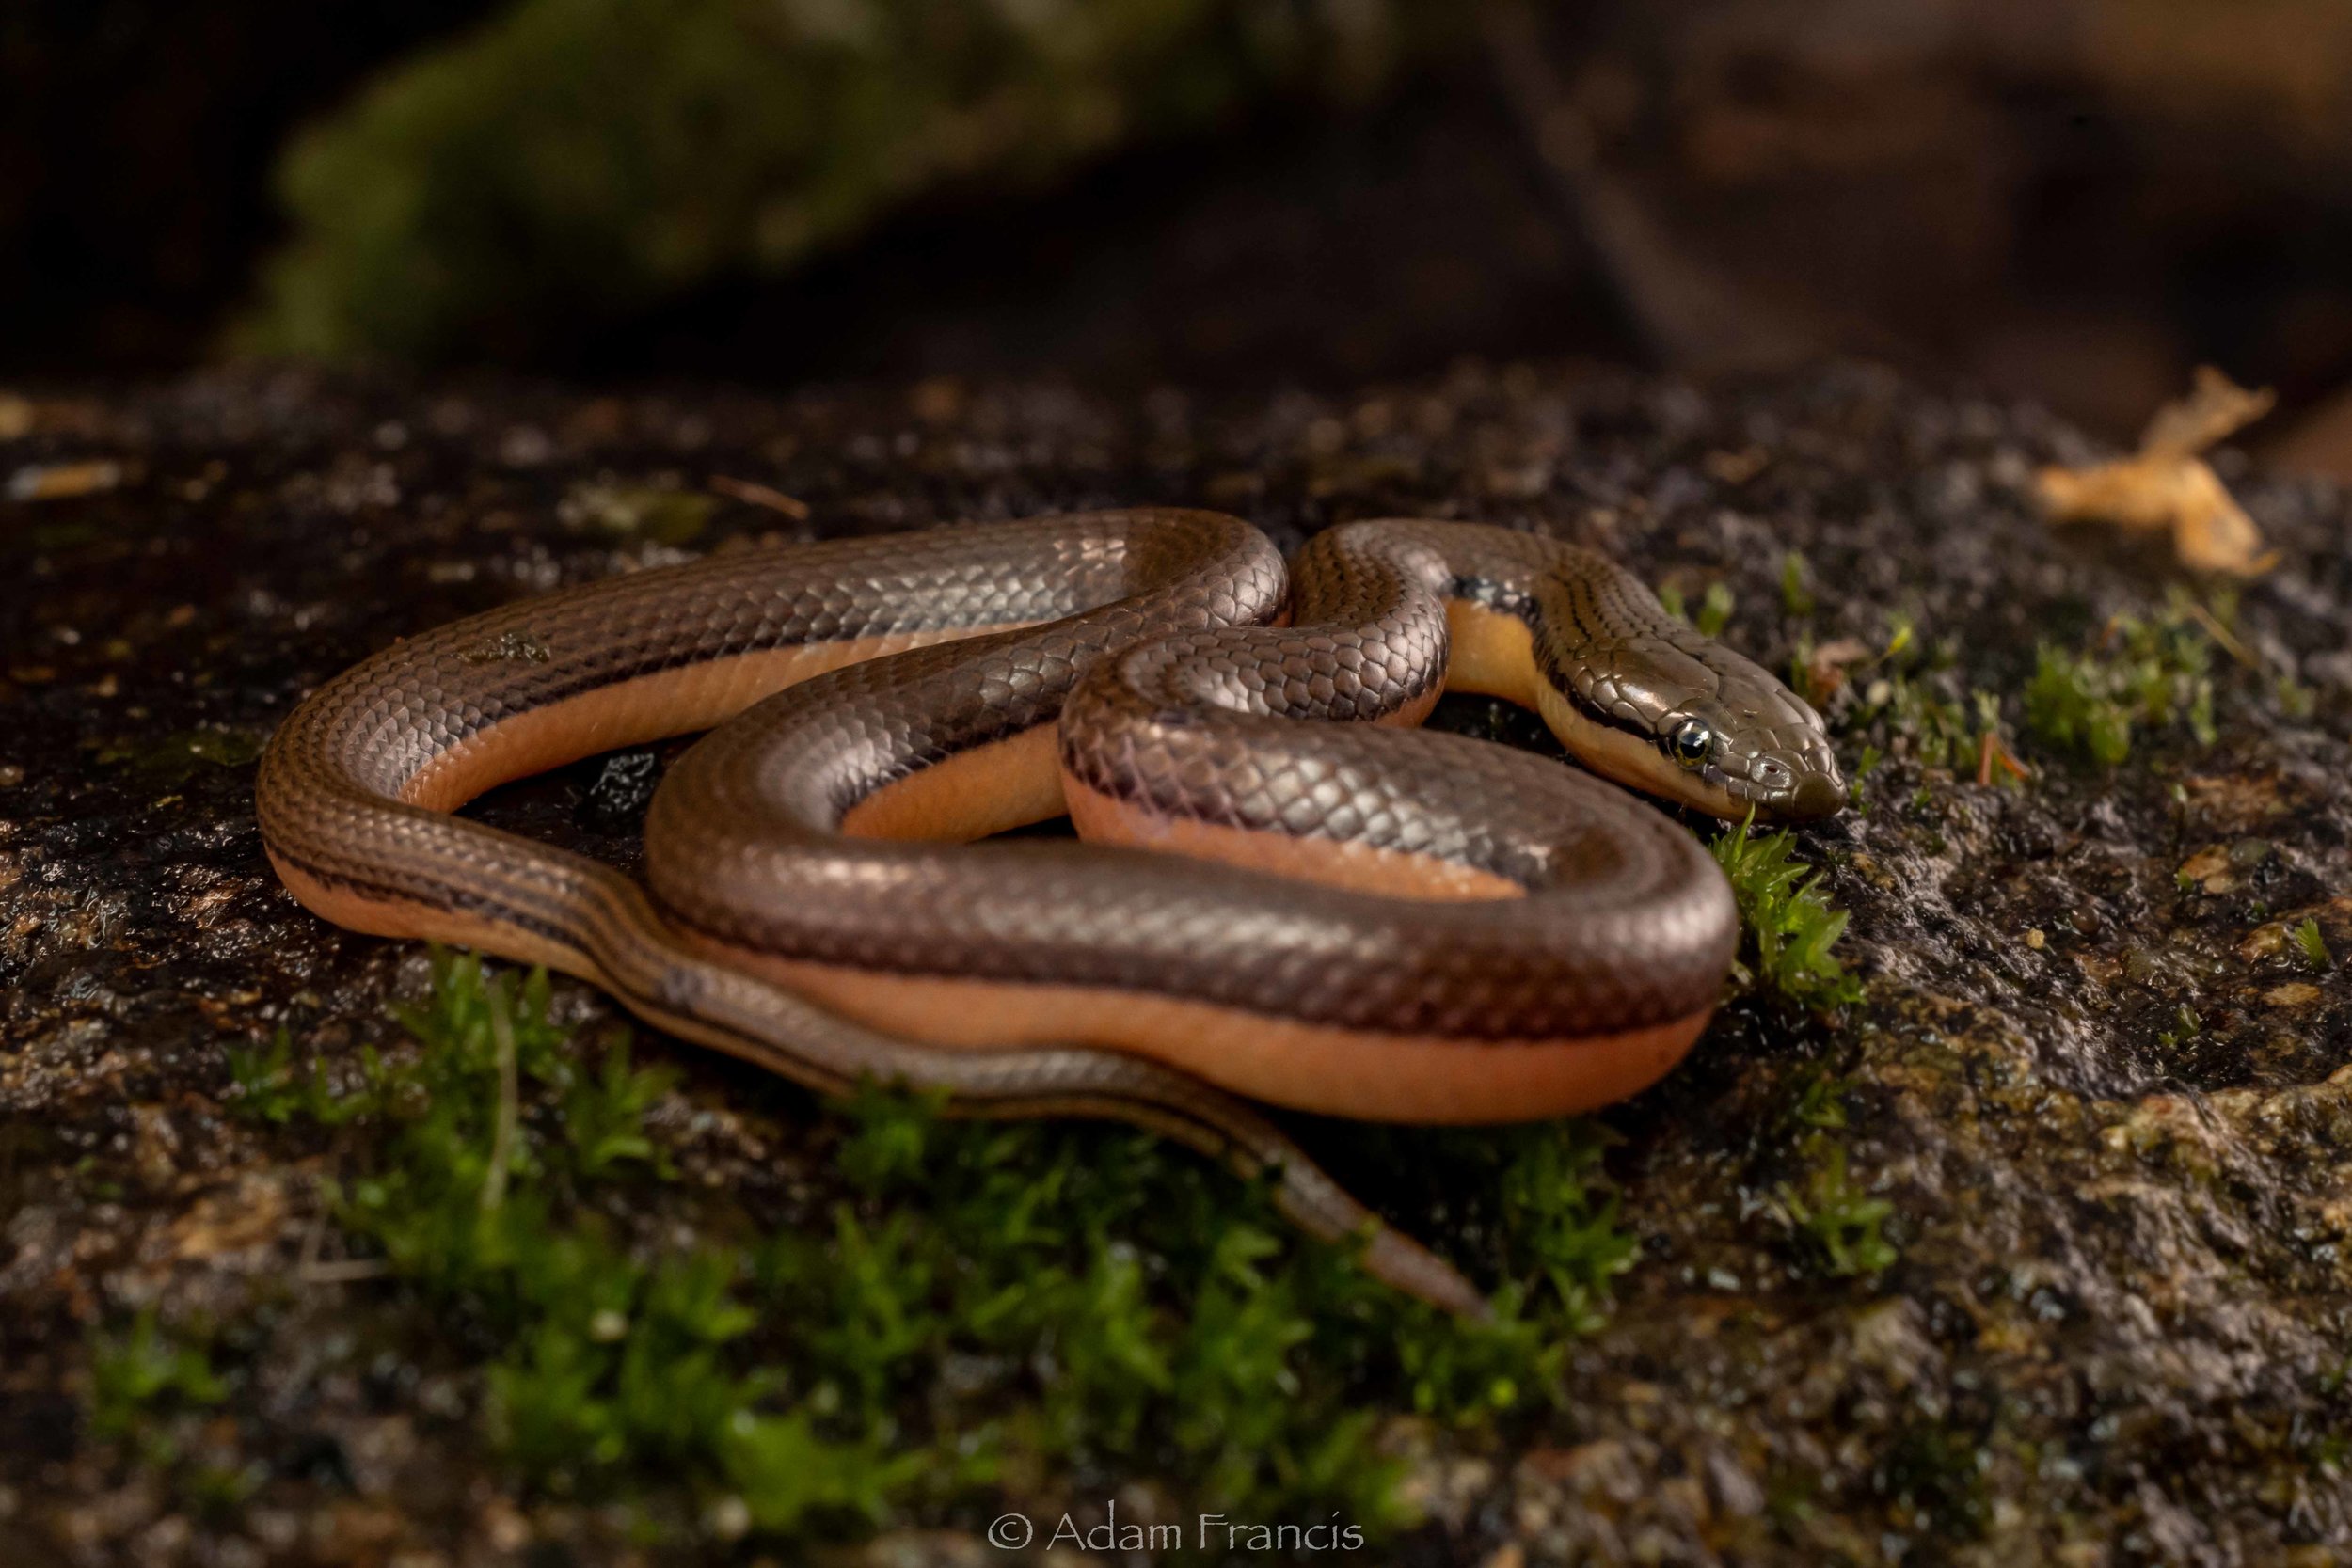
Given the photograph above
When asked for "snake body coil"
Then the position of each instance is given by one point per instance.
(1347, 917)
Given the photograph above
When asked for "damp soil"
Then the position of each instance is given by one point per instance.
(2099, 1074)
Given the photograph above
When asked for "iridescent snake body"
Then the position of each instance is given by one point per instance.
(1356, 918)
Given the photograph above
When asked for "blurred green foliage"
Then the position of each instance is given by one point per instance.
(576, 159)
(145, 1369)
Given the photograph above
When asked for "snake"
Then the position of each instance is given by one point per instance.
(1282, 892)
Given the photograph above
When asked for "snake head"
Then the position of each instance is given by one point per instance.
(1752, 745)
(1680, 716)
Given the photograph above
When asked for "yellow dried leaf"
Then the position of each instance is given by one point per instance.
(1825, 670)
(2167, 485)
(2216, 409)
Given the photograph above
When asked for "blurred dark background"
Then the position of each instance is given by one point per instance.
(2077, 201)
(136, 142)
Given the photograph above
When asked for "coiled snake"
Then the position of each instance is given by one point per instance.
(1348, 916)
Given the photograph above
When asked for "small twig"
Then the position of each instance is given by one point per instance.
(761, 495)
(1991, 752)
(315, 1238)
(2220, 633)
(347, 1270)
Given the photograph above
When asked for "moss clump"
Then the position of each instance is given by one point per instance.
(155, 1393)
(1930, 726)
(1835, 1218)
(665, 517)
(1791, 926)
(1816, 1100)
(575, 159)
(2143, 675)
(1714, 612)
(144, 1371)
(271, 1089)
(1796, 587)
(1836, 1224)
(2070, 704)
(982, 1307)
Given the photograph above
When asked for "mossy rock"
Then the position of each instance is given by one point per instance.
(577, 160)
(2019, 1235)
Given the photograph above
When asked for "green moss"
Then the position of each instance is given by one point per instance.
(1715, 607)
(2313, 945)
(1864, 767)
(1791, 927)
(217, 1491)
(154, 1392)
(1835, 1218)
(1714, 610)
(271, 1089)
(143, 1371)
(1560, 1213)
(1817, 1100)
(983, 1303)
(1902, 638)
(666, 516)
(1796, 591)
(576, 159)
(2146, 675)
(1935, 727)
(2070, 705)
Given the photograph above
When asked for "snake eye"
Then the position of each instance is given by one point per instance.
(1691, 742)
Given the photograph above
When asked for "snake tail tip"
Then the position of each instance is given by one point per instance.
(1398, 1260)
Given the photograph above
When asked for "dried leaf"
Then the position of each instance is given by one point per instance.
(2168, 486)
(2215, 410)
(1825, 670)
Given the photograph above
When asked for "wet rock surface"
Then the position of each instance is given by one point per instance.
(2036, 1254)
